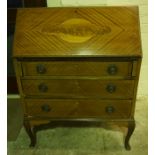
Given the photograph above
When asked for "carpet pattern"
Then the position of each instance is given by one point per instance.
(86, 141)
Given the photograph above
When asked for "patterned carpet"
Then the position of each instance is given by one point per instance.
(86, 141)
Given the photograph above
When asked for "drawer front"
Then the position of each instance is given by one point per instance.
(122, 89)
(78, 108)
(76, 68)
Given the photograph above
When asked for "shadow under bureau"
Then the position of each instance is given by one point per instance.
(77, 67)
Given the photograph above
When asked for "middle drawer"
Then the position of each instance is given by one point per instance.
(121, 89)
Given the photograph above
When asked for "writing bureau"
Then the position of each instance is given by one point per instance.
(77, 66)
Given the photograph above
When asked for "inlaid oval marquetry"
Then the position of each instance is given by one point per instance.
(75, 30)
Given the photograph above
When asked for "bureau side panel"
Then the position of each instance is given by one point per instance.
(18, 72)
(136, 74)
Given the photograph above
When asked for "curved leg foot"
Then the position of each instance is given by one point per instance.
(31, 133)
(33, 140)
(131, 127)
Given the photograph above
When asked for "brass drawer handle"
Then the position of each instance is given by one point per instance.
(112, 69)
(46, 108)
(41, 69)
(111, 88)
(110, 109)
(43, 88)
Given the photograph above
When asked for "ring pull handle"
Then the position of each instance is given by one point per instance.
(112, 69)
(111, 88)
(46, 108)
(43, 88)
(41, 69)
(110, 109)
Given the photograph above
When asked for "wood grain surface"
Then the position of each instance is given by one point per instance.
(79, 88)
(78, 108)
(94, 31)
(76, 68)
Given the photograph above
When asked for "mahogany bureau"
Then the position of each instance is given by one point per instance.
(77, 67)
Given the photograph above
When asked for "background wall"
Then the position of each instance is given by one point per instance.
(143, 9)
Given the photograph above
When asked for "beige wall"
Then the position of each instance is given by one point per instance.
(143, 8)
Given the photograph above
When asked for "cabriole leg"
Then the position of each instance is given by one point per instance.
(131, 127)
(31, 133)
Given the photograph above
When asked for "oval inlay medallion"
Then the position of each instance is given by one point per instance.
(75, 30)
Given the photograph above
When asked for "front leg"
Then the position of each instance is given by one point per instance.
(131, 127)
(31, 133)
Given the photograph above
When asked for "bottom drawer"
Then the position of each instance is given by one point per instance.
(60, 108)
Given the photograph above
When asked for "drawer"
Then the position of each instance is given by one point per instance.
(79, 88)
(78, 108)
(77, 68)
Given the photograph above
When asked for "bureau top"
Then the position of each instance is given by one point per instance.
(75, 32)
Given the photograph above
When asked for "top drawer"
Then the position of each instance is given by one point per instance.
(76, 68)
